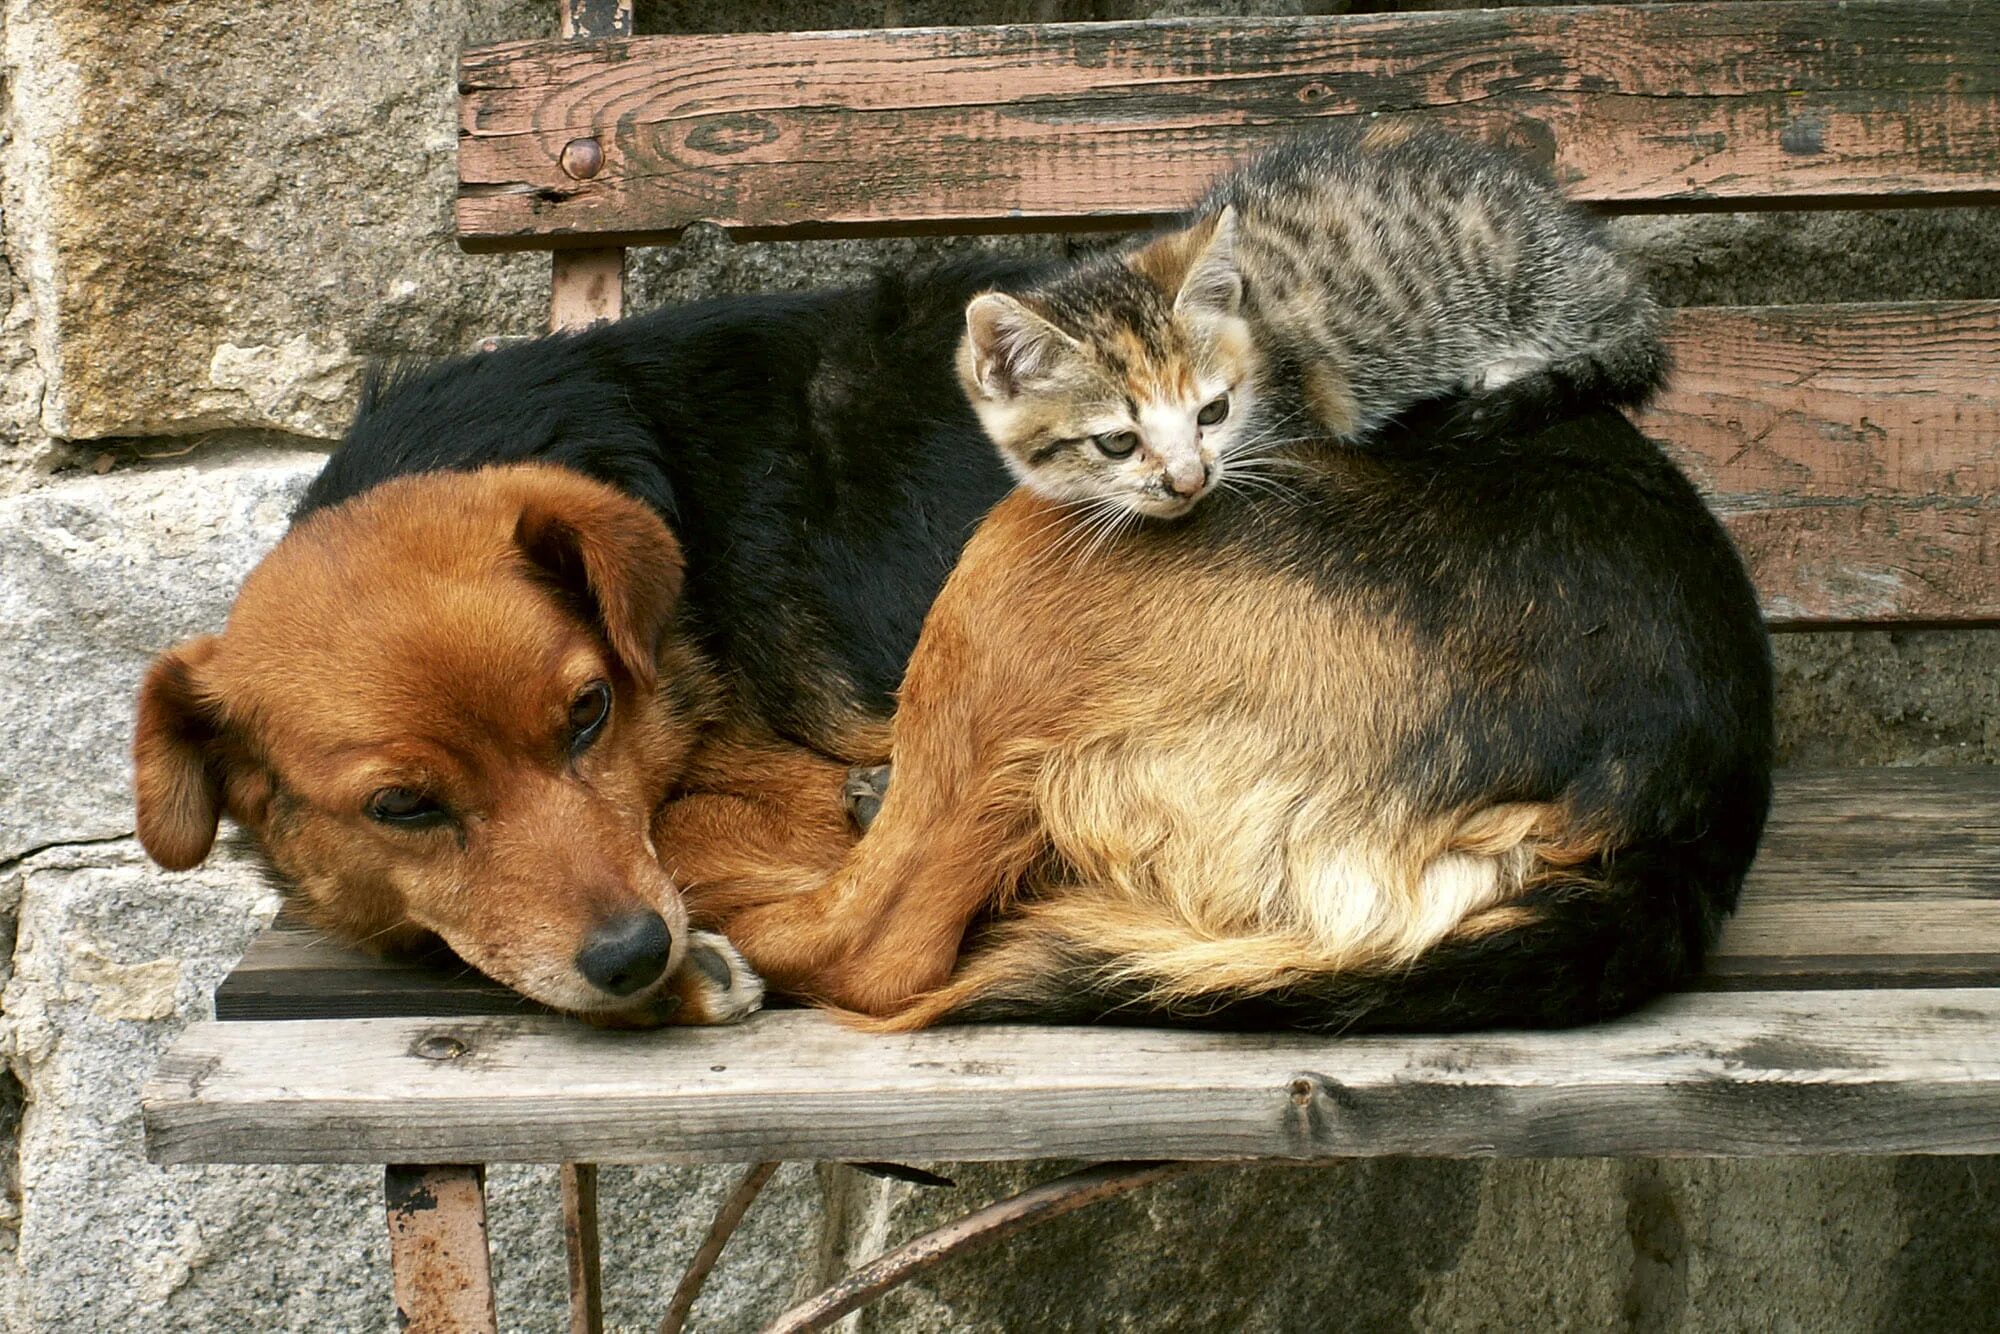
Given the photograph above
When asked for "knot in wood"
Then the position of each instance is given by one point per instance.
(438, 1047)
(582, 159)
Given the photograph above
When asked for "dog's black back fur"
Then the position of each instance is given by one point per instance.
(812, 451)
(1605, 652)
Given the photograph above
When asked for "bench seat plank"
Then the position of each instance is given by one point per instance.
(1878, 878)
(1762, 1073)
(1029, 126)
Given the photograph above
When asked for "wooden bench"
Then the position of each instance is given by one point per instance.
(1854, 1003)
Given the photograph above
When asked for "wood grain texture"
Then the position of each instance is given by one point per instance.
(1867, 878)
(1853, 450)
(849, 133)
(1759, 1073)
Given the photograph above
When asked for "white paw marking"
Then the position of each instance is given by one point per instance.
(1504, 370)
(742, 996)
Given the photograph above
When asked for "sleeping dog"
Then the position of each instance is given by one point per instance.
(454, 698)
(1457, 732)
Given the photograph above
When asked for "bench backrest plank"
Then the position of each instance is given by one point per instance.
(1852, 450)
(963, 129)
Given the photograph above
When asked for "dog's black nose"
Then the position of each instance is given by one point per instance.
(626, 953)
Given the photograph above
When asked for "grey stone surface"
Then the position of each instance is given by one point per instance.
(226, 210)
(113, 958)
(1806, 1245)
(96, 575)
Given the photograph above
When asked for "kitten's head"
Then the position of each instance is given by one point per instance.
(1128, 379)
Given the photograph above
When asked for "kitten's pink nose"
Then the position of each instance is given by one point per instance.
(1187, 477)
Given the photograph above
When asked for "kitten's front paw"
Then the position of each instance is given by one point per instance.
(717, 984)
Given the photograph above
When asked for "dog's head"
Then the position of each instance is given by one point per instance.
(439, 707)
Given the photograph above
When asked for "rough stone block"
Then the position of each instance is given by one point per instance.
(1802, 1244)
(225, 212)
(96, 575)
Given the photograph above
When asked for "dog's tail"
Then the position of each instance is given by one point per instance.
(1585, 944)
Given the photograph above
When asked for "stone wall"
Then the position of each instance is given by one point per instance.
(213, 216)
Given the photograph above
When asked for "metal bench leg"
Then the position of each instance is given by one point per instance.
(586, 1273)
(437, 1249)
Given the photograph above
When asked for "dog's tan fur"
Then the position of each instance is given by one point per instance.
(1202, 791)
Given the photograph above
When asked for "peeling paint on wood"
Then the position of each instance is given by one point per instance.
(437, 1249)
(1693, 105)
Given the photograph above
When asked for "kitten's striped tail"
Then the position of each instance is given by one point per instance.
(1623, 374)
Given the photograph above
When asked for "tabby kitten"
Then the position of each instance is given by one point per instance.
(1330, 285)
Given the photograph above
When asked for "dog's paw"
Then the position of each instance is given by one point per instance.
(866, 786)
(717, 984)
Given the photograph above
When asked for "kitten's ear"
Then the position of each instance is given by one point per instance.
(1011, 345)
(1212, 283)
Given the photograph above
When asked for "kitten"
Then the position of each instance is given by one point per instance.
(1327, 287)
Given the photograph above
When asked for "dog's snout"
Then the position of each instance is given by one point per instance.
(626, 953)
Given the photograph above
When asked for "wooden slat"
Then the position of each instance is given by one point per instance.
(1867, 878)
(1696, 105)
(1854, 451)
(1761, 1073)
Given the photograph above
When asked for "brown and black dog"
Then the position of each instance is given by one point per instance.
(1454, 731)
(513, 706)
(1451, 732)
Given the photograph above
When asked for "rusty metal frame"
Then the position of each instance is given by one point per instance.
(726, 1218)
(438, 1257)
(981, 1227)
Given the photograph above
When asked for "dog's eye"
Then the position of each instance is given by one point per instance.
(403, 806)
(1118, 444)
(587, 713)
(1214, 411)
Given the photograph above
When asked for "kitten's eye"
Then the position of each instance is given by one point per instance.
(587, 713)
(403, 806)
(1213, 412)
(1118, 444)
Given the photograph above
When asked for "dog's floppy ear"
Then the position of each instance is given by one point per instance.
(614, 559)
(177, 775)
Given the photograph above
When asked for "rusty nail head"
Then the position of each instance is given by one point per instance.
(582, 158)
(438, 1047)
(1302, 1091)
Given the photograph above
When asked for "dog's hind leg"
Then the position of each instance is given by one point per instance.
(756, 820)
(888, 925)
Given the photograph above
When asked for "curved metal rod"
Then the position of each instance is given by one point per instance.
(981, 1227)
(726, 1218)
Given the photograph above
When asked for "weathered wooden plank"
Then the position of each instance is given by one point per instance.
(1782, 404)
(1693, 105)
(1853, 450)
(1829, 565)
(1881, 834)
(1867, 877)
(1758, 1073)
